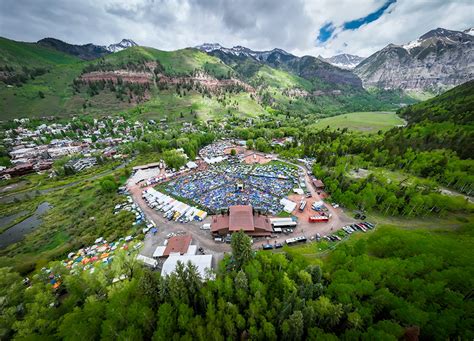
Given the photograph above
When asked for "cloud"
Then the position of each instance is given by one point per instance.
(344, 25)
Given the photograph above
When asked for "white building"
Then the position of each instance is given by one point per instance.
(202, 262)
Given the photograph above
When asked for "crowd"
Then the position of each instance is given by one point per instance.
(230, 184)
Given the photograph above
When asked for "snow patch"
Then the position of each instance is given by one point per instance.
(412, 44)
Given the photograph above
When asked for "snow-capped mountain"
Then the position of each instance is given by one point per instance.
(344, 61)
(241, 51)
(124, 44)
(307, 67)
(469, 31)
(437, 60)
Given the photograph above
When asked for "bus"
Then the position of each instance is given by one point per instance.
(295, 240)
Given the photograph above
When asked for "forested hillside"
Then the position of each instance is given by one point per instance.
(455, 105)
(391, 285)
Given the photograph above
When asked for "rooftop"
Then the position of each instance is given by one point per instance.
(177, 244)
(241, 218)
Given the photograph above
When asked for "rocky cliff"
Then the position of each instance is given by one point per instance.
(438, 60)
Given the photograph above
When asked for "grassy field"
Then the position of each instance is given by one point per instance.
(369, 122)
(278, 79)
(315, 252)
(167, 104)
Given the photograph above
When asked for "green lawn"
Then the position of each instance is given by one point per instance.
(369, 122)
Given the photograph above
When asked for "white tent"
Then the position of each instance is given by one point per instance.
(147, 261)
(289, 206)
(191, 165)
(202, 262)
(159, 251)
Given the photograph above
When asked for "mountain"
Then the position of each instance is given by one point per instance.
(344, 61)
(248, 62)
(124, 44)
(241, 51)
(84, 52)
(38, 79)
(438, 60)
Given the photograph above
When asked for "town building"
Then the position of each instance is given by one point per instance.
(241, 217)
(177, 245)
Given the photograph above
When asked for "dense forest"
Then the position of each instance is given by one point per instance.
(394, 283)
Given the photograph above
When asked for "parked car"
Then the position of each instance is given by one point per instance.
(267, 246)
(278, 245)
(370, 225)
(335, 205)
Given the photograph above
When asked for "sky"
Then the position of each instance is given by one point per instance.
(302, 27)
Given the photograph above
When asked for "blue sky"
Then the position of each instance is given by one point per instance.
(327, 30)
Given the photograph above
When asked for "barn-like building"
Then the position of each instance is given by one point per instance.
(241, 217)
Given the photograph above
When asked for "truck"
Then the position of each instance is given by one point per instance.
(318, 219)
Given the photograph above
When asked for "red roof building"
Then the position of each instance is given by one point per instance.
(241, 217)
(178, 244)
(318, 184)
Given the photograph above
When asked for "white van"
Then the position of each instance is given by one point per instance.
(206, 227)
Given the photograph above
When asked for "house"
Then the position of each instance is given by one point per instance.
(318, 184)
(18, 170)
(78, 165)
(178, 245)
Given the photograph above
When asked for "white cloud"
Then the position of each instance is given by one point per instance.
(264, 24)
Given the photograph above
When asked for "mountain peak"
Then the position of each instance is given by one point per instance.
(85, 52)
(344, 60)
(437, 60)
(439, 33)
(469, 31)
(209, 47)
(124, 44)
